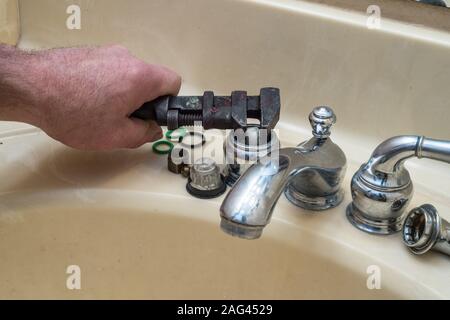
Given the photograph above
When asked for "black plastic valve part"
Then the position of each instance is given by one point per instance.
(214, 112)
(206, 194)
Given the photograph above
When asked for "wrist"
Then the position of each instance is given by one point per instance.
(19, 94)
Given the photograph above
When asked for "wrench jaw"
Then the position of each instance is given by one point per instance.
(270, 105)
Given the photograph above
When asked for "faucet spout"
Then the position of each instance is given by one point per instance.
(248, 207)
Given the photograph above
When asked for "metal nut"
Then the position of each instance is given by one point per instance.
(177, 165)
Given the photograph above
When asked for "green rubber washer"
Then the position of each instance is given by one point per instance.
(176, 135)
(162, 147)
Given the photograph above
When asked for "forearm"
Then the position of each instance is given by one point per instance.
(18, 92)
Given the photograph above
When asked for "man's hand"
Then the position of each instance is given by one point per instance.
(83, 96)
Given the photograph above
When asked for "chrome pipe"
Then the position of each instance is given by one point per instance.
(425, 230)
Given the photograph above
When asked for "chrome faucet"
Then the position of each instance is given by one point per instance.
(382, 188)
(311, 175)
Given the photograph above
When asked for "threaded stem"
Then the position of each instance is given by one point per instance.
(189, 119)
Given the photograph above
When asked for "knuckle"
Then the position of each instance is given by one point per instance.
(136, 69)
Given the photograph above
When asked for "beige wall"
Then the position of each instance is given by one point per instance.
(9, 21)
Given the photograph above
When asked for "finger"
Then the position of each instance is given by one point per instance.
(170, 81)
(155, 131)
(133, 133)
(153, 81)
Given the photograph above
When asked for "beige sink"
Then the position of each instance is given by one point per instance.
(130, 226)
(152, 247)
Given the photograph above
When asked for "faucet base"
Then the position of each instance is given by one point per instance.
(314, 203)
(241, 231)
(380, 227)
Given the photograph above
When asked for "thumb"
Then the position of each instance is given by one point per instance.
(133, 133)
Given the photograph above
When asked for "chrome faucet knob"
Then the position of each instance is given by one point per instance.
(321, 119)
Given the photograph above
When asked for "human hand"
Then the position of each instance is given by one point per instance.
(83, 97)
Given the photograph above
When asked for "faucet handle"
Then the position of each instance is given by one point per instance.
(321, 119)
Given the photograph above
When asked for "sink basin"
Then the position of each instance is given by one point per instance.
(149, 249)
(129, 224)
(147, 245)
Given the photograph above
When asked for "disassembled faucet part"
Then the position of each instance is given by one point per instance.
(244, 147)
(162, 147)
(312, 173)
(205, 180)
(425, 230)
(382, 188)
(178, 161)
(176, 135)
(214, 112)
(189, 140)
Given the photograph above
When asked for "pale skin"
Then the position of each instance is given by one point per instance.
(83, 97)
